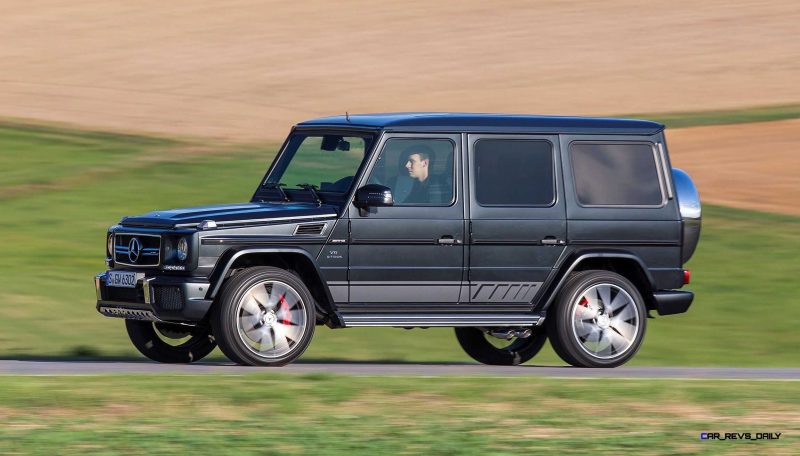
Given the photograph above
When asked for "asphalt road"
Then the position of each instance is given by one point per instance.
(60, 367)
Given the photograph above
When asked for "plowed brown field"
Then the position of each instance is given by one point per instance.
(755, 166)
(246, 70)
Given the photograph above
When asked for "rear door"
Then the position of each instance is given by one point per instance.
(518, 227)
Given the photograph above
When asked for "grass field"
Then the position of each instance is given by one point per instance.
(60, 189)
(320, 414)
(723, 117)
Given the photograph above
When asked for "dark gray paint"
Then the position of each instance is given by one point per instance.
(394, 251)
(506, 242)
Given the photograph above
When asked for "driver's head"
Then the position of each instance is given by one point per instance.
(418, 164)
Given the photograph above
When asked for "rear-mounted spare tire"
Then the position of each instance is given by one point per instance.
(689, 204)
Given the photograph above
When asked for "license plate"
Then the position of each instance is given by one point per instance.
(122, 279)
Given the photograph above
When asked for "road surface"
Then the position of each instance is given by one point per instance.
(60, 367)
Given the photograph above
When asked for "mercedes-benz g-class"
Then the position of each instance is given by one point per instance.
(510, 228)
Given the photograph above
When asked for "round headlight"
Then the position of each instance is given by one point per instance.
(183, 249)
(110, 246)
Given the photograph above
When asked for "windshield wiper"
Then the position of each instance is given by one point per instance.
(277, 186)
(313, 189)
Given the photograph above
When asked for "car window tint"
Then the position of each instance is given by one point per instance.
(420, 172)
(615, 174)
(512, 172)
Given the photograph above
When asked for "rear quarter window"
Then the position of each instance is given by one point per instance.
(616, 174)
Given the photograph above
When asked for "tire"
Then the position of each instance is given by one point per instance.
(170, 343)
(264, 316)
(478, 345)
(599, 320)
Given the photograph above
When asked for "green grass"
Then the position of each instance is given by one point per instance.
(323, 414)
(722, 117)
(52, 243)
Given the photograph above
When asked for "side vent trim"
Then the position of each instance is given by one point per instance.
(309, 229)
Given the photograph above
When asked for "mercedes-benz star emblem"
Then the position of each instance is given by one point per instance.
(134, 249)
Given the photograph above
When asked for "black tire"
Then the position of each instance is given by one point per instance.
(599, 305)
(475, 343)
(253, 310)
(151, 339)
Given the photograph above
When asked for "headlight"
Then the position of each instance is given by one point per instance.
(183, 249)
(110, 246)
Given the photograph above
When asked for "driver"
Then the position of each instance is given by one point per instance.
(426, 188)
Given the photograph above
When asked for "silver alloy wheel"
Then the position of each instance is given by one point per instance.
(270, 319)
(605, 321)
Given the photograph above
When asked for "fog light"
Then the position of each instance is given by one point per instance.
(183, 249)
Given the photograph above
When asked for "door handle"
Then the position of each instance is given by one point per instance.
(448, 240)
(552, 240)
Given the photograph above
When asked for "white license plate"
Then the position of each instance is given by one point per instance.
(122, 279)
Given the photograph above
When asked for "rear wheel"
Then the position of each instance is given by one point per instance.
(170, 343)
(598, 320)
(482, 346)
(264, 317)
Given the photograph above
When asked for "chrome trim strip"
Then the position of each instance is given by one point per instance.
(274, 219)
(148, 294)
(97, 285)
(666, 171)
(235, 239)
(441, 320)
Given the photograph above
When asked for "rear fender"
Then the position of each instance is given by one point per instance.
(626, 264)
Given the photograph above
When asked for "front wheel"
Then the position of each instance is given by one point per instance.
(170, 343)
(264, 317)
(481, 346)
(598, 320)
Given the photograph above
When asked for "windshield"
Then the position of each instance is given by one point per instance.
(329, 163)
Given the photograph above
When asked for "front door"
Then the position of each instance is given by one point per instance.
(518, 226)
(412, 252)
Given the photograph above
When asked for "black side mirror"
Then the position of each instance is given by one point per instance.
(373, 195)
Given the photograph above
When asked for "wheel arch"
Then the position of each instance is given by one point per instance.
(293, 259)
(625, 264)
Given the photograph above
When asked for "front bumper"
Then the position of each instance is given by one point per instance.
(155, 298)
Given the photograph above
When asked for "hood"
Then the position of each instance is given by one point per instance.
(228, 214)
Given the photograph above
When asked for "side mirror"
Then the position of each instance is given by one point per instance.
(373, 195)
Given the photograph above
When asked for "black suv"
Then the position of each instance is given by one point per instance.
(510, 228)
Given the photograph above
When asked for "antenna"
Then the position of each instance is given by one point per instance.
(347, 116)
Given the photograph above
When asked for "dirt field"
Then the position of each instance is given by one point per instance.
(754, 166)
(245, 70)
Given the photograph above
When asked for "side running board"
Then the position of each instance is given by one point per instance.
(406, 320)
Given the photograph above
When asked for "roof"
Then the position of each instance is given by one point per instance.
(442, 121)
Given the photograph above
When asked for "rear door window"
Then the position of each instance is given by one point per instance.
(514, 172)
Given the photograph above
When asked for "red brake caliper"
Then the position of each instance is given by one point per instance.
(584, 302)
(285, 309)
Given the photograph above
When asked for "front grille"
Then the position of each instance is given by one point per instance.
(132, 249)
(168, 298)
(124, 294)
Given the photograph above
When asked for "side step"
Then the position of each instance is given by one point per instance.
(406, 320)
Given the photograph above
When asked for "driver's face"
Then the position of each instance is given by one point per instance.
(417, 167)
